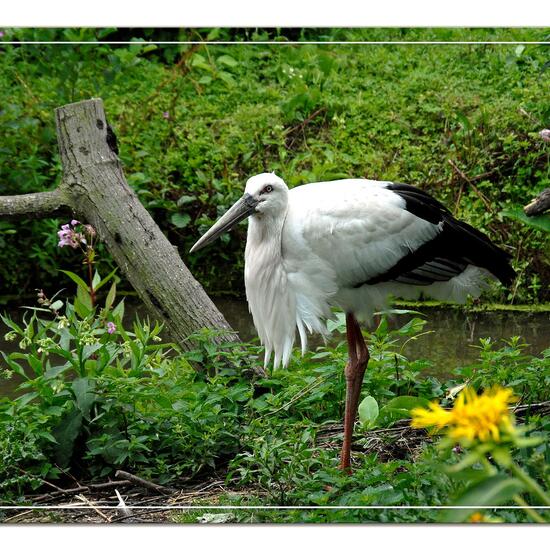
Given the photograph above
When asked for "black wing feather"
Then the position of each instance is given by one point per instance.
(449, 252)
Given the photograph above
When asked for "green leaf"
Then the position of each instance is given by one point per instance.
(35, 364)
(368, 411)
(400, 407)
(199, 61)
(76, 279)
(180, 220)
(65, 434)
(118, 312)
(407, 402)
(491, 491)
(96, 279)
(110, 296)
(501, 456)
(47, 436)
(52, 372)
(83, 303)
(227, 60)
(84, 395)
(57, 305)
(227, 77)
(26, 398)
(185, 199)
(541, 222)
(470, 459)
(106, 279)
(15, 367)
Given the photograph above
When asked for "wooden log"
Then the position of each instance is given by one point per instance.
(95, 190)
(539, 204)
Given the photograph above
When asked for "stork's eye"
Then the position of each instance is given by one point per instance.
(267, 189)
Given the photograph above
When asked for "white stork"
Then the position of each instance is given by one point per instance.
(349, 243)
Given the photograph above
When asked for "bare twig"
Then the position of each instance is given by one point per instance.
(468, 180)
(94, 508)
(305, 122)
(80, 489)
(13, 518)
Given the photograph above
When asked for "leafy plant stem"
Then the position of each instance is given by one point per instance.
(530, 483)
(91, 279)
(528, 510)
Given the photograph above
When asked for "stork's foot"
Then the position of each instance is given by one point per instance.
(354, 373)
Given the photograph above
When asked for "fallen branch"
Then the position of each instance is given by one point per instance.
(94, 190)
(48, 204)
(144, 483)
(539, 204)
(80, 489)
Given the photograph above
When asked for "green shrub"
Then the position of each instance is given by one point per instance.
(194, 122)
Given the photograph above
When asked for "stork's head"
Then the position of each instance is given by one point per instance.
(265, 195)
(269, 192)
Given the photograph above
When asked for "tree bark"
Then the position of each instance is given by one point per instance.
(95, 190)
(48, 204)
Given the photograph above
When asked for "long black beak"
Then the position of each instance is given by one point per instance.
(243, 208)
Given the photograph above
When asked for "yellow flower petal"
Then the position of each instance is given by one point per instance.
(474, 417)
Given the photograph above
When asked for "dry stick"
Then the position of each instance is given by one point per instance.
(305, 122)
(86, 488)
(143, 482)
(12, 518)
(482, 197)
(94, 508)
(175, 73)
(459, 197)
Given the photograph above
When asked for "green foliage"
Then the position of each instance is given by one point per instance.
(194, 122)
(509, 365)
(541, 222)
(91, 402)
(491, 491)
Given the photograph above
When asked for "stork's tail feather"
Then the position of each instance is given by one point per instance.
(480, 251)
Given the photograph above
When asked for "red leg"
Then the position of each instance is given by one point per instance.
(354, 373)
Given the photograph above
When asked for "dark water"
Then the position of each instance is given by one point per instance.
(454, 333)
(451, 344)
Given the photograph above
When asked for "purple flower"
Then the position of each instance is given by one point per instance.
(1, 34)
(74, 222)
(545, 134)
(70, 237)
(166, 115)
(111, 327)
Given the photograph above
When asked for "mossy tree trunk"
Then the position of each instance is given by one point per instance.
(95, 190)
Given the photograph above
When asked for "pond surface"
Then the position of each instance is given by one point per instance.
(454, 332)
(451, 344)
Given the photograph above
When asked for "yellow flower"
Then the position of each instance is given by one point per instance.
(477, 517)
(435, 416)
(473, 417)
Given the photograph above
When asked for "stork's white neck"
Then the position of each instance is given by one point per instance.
(267, 290)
